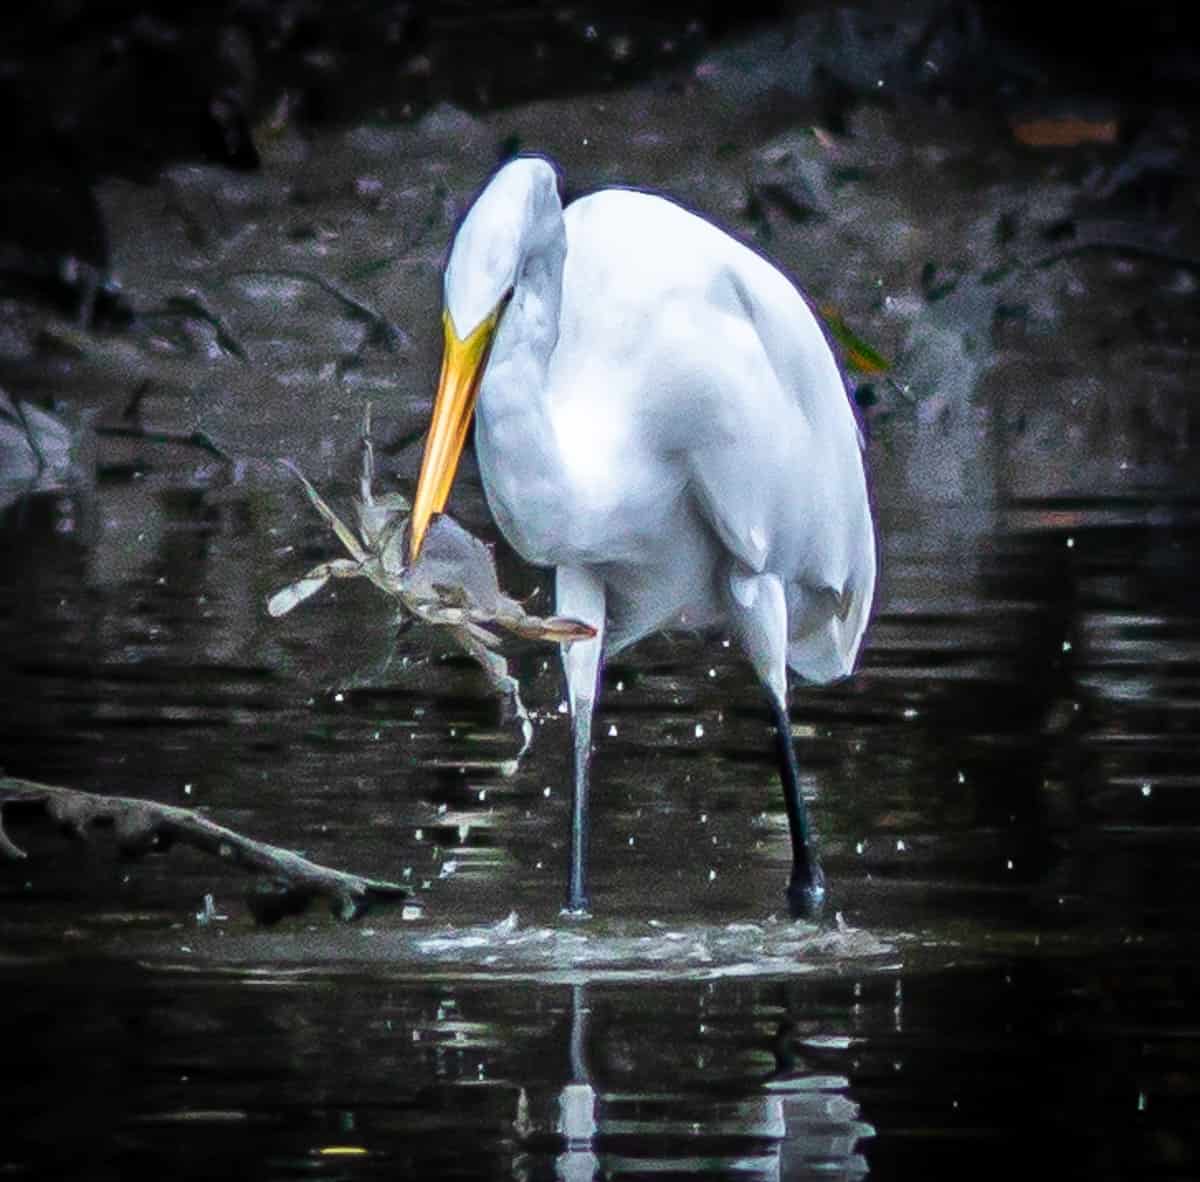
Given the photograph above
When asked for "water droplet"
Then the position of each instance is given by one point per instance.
(1070, 543)
(699, 730)
(339, 696)
(1147, 789)
(612, 730)
(711, 875)
(900, 846)
(546, 791)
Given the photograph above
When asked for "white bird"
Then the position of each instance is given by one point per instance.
(659, 418)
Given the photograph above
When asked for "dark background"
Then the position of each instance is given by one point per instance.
(95, 89)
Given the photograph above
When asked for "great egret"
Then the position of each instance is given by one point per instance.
(660, 419)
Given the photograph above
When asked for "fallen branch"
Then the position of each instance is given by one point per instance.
(141, 826)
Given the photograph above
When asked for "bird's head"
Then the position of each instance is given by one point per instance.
(512, 224)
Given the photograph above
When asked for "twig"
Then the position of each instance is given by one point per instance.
(192, 304)
(1135, 249)
(197, 438)
(144, 825)
(382, 330)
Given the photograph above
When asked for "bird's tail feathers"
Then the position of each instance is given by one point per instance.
(827, 636)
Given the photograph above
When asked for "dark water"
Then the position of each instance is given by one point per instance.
(1055, 1068)
(1005, 794)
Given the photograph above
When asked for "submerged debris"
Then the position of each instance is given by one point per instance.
(35, 446)
(452, 585)
(43, 451)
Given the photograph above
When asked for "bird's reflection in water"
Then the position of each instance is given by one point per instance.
(577, 1102)
(794, 1122)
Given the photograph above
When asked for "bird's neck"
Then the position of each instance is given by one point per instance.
(527, 336)
(522, 470)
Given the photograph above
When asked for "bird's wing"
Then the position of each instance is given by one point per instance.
(784, 487)
(732, 389)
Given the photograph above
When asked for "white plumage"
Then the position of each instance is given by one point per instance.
(659, 418)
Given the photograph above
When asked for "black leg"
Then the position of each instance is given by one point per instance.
(806, 889)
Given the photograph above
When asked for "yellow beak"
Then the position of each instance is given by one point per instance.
(463, 363)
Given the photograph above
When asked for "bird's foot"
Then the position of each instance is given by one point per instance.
(577, 911)
(806, 896)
